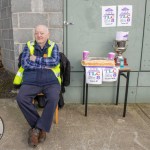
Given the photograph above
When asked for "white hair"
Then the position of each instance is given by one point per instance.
(42, 26)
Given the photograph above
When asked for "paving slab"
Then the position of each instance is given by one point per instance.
(103, 129)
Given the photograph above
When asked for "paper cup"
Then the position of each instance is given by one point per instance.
(111, 56)
(85, 55)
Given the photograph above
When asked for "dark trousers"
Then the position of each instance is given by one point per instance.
(25, 97)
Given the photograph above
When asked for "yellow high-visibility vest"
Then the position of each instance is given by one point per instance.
(19, 76)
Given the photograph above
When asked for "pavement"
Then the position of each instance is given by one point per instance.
(103, 129)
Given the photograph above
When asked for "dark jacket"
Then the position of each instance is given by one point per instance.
(64, 71)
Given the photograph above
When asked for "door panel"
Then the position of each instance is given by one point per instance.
(87, 33)
(146, 42)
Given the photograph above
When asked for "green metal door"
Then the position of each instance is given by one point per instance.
(83, 31)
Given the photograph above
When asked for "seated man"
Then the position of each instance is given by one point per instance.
(41, 74)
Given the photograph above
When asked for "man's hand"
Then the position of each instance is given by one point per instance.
(32, 57)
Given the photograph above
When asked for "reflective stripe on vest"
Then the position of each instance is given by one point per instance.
(18, 77)
(56, 69)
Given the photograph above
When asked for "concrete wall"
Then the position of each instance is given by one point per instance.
(18, 19)
(6, 34)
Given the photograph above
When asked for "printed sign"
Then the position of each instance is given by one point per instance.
(1, 127)
(124, 15)
(108, 16)
(110, 74)
(94, 75)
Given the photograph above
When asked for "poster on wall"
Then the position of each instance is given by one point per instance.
(93, 75)
(124, 15)
(110, 74)
(108, 16)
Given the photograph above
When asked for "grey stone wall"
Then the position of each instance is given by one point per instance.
(24, 16)
(6, 35)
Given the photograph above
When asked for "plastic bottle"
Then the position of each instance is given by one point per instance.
(121, 62)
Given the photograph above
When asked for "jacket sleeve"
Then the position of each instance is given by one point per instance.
(26, 62)
(49, 61)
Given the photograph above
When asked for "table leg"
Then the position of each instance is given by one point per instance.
(86, 99)
(83, 87)
(126, 93)
(118, 86)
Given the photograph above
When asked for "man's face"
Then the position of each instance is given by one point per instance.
(41, 34)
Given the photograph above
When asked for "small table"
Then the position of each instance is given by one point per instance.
(125, 72)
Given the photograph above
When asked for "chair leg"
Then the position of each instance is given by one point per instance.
(56, 115)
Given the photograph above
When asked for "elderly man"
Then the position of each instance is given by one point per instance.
(40, 61)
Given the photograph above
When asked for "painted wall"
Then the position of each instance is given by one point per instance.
(143, 88)
(17, 22)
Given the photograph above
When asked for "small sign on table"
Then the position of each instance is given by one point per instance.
(96, 75)
(93, 75)
(110, 74)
